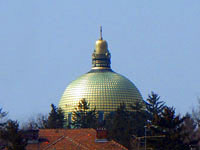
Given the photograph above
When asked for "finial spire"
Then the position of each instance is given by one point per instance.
(101, 38)
(101, 55)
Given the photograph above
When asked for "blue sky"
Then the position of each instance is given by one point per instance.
(45, 44)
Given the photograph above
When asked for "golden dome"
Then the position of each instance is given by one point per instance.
(101, 87)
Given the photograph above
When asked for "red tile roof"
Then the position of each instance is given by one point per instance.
(72, 139)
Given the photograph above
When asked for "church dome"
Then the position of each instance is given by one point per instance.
(101, 87)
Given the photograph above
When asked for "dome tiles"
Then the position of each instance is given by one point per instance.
(104, 89)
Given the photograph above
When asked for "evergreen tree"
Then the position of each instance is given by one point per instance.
(119, 126)
(123, 124)
(12, 136)
(83, 117)
(138, 118)
(154, 105)
(170, 126)
(56, 118)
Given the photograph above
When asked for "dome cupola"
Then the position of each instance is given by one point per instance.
(101, 55)
(103, 88)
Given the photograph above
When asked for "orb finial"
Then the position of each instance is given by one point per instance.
(101, 38)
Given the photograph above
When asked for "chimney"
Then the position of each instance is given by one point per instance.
(101, 135)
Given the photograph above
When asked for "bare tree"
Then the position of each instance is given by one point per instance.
(3, 114)
(196, 113)
(37, 122)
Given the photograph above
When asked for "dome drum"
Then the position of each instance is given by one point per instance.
(101, 59)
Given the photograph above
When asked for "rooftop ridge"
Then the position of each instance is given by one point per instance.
(54, 142)
(76, 143)
(121, 146)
